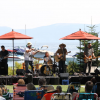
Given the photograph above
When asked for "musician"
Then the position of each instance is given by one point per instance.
(47, 58)
(4, 54)
(89, 51)
(4, 60)
(64, 52)
(29, 51)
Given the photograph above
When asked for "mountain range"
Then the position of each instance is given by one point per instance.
(50, 33)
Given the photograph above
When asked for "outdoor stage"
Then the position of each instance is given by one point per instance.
(9, 80)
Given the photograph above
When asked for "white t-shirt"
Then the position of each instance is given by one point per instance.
(2, 98)
(26, 55)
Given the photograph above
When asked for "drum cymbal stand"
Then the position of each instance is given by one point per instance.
(55, 68)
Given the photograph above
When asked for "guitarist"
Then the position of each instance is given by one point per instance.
(4, 59)
(88, 52)
(4, 54)
(62, 50)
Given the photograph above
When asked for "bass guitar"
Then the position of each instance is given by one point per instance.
(57, 59)
(1, 58)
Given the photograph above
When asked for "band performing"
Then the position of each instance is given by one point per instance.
(57, 65)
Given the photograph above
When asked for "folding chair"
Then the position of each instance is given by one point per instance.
(44, 87)
(61, 96)
(33, 95)
(87, 96)
(73, 87)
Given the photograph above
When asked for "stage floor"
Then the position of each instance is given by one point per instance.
(9, 80)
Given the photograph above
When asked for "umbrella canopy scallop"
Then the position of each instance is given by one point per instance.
(14, 35)
(80, 35)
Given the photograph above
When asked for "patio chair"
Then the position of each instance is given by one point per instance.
(33, 95)
(73, 87)
(61, 96)
(87, 96)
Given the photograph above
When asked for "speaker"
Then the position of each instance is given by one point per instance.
(3, 68)
(64, 75)
(20, 72)
(30, 78)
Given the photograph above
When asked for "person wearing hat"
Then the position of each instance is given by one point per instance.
(61, 53)
(29, 51)
(50, 91)
(88, 54)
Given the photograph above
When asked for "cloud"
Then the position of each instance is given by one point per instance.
(36, 13)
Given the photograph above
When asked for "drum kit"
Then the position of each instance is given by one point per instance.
(47, 69)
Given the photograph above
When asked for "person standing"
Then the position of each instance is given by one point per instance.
(88, 54)
(4, 58)
(61, 53)
(4, 54)
(29, 52)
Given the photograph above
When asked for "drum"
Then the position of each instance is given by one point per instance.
(45, 70)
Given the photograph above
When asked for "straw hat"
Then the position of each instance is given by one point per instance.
(50, 89)
(62, 45)
(29, 44)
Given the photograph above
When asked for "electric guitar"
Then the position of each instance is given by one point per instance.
(57, 59)
(89, 58)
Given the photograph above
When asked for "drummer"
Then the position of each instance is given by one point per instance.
(47, 58)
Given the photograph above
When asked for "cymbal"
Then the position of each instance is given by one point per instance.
(37, 58)
(49, 64)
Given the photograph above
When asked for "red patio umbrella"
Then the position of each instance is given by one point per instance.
(80, 35)
(12, 36)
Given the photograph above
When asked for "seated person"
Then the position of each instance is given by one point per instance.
(47, 58)
(1, 98)
(94, 86)
(21, 82)
(59, 89)
(41, 82)
(30, 86)
(88, 88)
(50, 91)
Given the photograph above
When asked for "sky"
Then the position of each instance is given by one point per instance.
(36, 13)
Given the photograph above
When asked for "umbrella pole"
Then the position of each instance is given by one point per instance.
(80, 53)
(13, 55)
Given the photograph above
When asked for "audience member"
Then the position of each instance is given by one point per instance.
(30, 86)
(21, 82)
(1, 98)
(50, 91)
(41, 82)
(59, 89)
(94, 86)
(88, 88)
